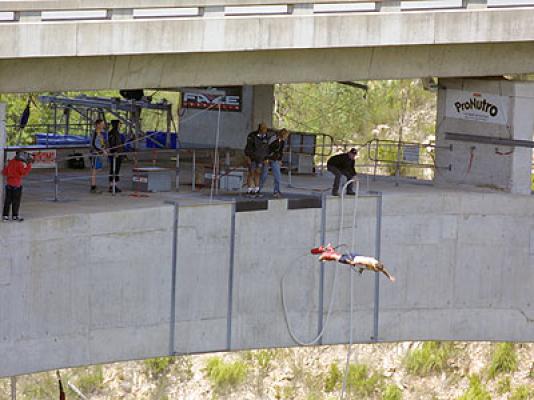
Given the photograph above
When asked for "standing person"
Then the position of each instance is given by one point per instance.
(115, 147)
(342, 164)
(274, 159)
(14, 171)
(98, 148)
(256, 151)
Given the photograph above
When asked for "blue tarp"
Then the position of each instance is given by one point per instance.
(53, 139)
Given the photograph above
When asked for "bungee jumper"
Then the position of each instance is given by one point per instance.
(329, 253)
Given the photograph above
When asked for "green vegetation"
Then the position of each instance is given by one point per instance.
(155, 367)
(351, 114)
(361, 382)
(522, 392)
(392, 392)
(333, 378)
(504, 386)
(91, 380)
(504, 360)
(224, 376)
(431, 358)
(476, 390)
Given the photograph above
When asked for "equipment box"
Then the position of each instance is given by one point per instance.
(231, 182)
(151, 179)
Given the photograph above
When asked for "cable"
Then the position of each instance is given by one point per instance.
(216, 154)
(334, 282)
(353, 245)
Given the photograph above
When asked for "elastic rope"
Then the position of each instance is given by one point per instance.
(334, 282)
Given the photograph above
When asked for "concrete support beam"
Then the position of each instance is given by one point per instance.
(3, 140)
(474, 4)
(389, 5)
(121, 13)
(213, 11)
(28, 16)
(263, 67)
(301, 9)
(263, 102)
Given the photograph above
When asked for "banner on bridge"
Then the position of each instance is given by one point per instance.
(476, 106)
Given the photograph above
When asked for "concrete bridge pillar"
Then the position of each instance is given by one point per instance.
(3, 140)
(263, 103)
(490, 125)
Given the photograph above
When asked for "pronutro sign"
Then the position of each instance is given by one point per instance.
(476, 106)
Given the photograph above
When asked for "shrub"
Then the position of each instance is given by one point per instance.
(225, 376)
(91, 381)
(183, 368)
(361, 382)
(504, 360)
(333, 378)
(155, 367)
(392, 392)
(504, 386)
(264, 358)
(476, 390)
(522, 392)
(430, 358)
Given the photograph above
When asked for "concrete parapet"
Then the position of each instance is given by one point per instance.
(96, 287)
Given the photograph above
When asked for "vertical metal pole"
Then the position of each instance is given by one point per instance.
(113, 175)
(173, 278)
(290, 184)
(56, 181)
(230, 281)
(378, 240)
(321, 272)
(177, 178)
(13, 388)
(194, 170)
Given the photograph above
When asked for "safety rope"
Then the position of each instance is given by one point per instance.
(334, 281)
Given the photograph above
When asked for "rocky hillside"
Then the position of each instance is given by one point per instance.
(430, 370)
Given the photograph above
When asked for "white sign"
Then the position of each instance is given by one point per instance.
(476, 106)
(41, 158)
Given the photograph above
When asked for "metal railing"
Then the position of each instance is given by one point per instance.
(57, 10)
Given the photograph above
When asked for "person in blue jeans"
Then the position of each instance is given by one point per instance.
(274, 159)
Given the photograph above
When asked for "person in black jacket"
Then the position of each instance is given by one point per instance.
(342, 164)
(256, 152)
(274, 159)
(115, 147)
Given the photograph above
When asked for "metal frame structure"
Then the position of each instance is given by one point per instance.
(91, 107)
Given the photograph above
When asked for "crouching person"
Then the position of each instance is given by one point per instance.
(14, 171)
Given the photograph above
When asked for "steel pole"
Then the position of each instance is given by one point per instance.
(230, 280)
(378, 241)
(13, 388)
(321, 271)
(173, 278)
(56, 181)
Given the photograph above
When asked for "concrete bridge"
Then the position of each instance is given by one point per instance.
(99, 44)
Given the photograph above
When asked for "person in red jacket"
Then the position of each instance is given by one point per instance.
(14, 171)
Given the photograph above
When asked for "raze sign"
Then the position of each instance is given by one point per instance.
(231, 101)
(41, 158)
(476, 106)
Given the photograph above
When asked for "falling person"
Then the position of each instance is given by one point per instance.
(329, 253)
